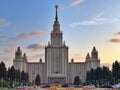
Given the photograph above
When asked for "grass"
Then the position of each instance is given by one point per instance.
(7, 89)
(60, 89)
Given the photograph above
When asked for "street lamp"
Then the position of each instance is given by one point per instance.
(33, 78)
(1, 82)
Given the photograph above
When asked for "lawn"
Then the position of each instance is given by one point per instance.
(59, 89)
(7, 89)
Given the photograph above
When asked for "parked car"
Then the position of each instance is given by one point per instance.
(106, 86)
(90, 86)
(64, 85)
(45, 86)
(116, 85)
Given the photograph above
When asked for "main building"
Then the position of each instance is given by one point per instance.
(56, 69)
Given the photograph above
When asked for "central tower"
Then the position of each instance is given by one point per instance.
(56, 55)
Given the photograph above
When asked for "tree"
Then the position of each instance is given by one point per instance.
(37, 80)
(9, 73)
(88, 76)
(92, 75)
(12, 73)
(3, 71)
(77, 80)
(23, 76)
(18, 75)
(26, 77)
(98, 73)
(106, 74)
(116, 70)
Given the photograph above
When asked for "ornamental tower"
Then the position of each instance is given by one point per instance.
(56, 55)
(20, 62)
(94, 54)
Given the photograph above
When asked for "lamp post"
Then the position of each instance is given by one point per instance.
(1, 82)
(33, 78)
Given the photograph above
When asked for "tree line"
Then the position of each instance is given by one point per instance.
(11, 74)
(102, 75)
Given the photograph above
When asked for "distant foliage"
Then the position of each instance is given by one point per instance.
(100, 74)
(37, 80)
(3, 71)
(77, 80)
(12, 74)
(116, 71)
(104, 74)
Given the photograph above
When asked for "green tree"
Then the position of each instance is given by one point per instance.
(18, 75)
(23, 76)
(3, 71)
(37, 80)
(26, 77)
(12, 73)
(98, 73)
(92, 75)
(88, 76)
(116, 70)
(77, 80)
(106, 74)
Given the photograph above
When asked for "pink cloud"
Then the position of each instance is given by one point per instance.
(3, 21)
(76, 2)
(115, 40)
(30, 35)
(118, 33)
(37, 46)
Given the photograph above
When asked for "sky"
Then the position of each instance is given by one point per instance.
(85, 23)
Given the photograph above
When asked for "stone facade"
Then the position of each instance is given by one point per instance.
(56, 69)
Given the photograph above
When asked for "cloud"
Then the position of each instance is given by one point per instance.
(35, 57)
(77, 57)
(95, 20)
(107, 65)
(118, 33)
(30, 35)
(76, 2)
(7, 60)
(2, 22)
(3, 40)
(36, 46)
(38, 56)
(115, 40)
(7, 54)
(71, 4)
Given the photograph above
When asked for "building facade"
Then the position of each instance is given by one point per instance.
(56, 69)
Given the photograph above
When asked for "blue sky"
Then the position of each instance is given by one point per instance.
(85, 23)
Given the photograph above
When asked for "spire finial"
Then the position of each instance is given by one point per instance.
(56, 17)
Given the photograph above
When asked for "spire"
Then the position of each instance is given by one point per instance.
(25, 57)
(56, 17)
(72, 60)
(18, 53)
(87, 57)
(94, 54)
(56, 26)
(40, 60)
(94, 49)
(18, 49)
